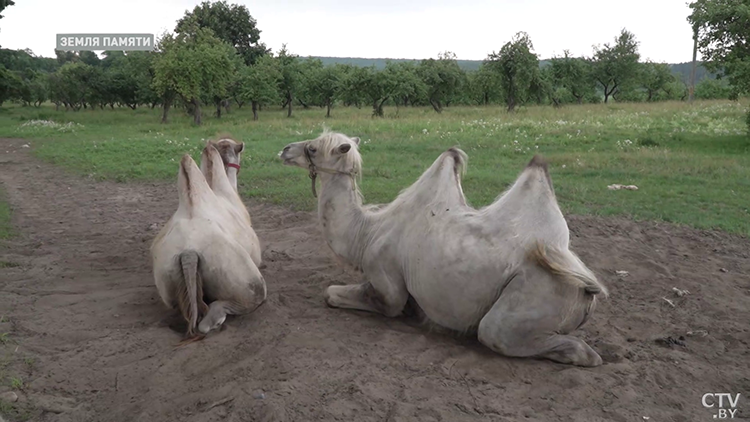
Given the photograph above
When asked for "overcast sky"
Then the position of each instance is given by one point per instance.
(379, 28)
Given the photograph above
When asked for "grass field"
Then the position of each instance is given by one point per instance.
(5, 226)
(690, 162)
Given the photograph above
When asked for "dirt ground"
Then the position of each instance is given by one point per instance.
(90, 340)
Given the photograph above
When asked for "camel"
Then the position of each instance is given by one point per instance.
(503, 272)
(230, 152)
(201, 255)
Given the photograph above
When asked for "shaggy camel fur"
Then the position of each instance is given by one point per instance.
(199, 257)
(503, 272)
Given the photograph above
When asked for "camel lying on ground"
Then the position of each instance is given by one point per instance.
(203, 253)
(230, 152)
(503, 272)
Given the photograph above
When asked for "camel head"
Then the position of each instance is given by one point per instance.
(331, 152)
(230, 151)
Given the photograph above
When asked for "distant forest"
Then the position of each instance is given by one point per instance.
(681, 70)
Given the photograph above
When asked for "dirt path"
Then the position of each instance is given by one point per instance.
(91, 341)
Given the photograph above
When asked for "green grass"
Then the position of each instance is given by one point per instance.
(5, 226)
(691, 162)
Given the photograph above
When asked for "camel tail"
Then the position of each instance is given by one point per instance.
(190, 293)
(555, 261)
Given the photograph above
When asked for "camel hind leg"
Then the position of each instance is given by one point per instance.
(533, 316)
(237, 292)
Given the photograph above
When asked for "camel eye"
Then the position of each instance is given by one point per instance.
(312, 149)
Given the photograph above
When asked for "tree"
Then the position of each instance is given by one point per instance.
(572, 75)
(517, 67)
(409, 87)
(352, 79)
(655, 77)
(289, 67)
(483, 85)
(324, 86)
(616, 66)
(259, 83)
(724, 39)
(230, 23)
(90, 58)
(442, 79)
(4, 4)
(194, 65)
(9, 84)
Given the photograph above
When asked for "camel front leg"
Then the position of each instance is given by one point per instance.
(382, 294)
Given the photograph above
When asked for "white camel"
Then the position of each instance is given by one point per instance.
(230, 152)
(201, 255)
(503, 272)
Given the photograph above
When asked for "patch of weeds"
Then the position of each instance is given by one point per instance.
(4, 338)
(16, 383)
(14, 412)
(647, 142)
(8, 264)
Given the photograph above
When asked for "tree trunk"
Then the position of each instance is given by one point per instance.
(289, 104)
(691, 93)
(255, 110)
(196, 112)
(165, 110)
(328, 108)
(436, 106)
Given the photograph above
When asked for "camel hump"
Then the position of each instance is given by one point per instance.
(460, 160)
(538, 161)
(555, 262)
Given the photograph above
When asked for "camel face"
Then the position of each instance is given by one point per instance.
(323, 152)
(230, 150)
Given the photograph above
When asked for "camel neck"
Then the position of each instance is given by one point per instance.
(342, 219)
(232, 176)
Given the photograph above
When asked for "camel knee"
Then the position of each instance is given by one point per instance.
(497, 337)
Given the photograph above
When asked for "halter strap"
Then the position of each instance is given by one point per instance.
(313, 174)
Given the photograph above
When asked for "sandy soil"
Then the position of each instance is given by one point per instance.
(91, 341)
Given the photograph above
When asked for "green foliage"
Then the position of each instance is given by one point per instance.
(323, 85)
(655, 78)
(230, 23)
(517, 68)
(195, 65)
(713, 89)
(442, 79)
(9, 85)
(291, 76)
(483, 86)
(616, 66)
(4, 4)
(259, 83)
(723, 31)
(571, 79)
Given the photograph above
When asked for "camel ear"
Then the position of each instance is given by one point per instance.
(344, 148)
(239, 148)
(355, 140)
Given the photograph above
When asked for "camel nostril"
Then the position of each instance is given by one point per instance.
(286, 148)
